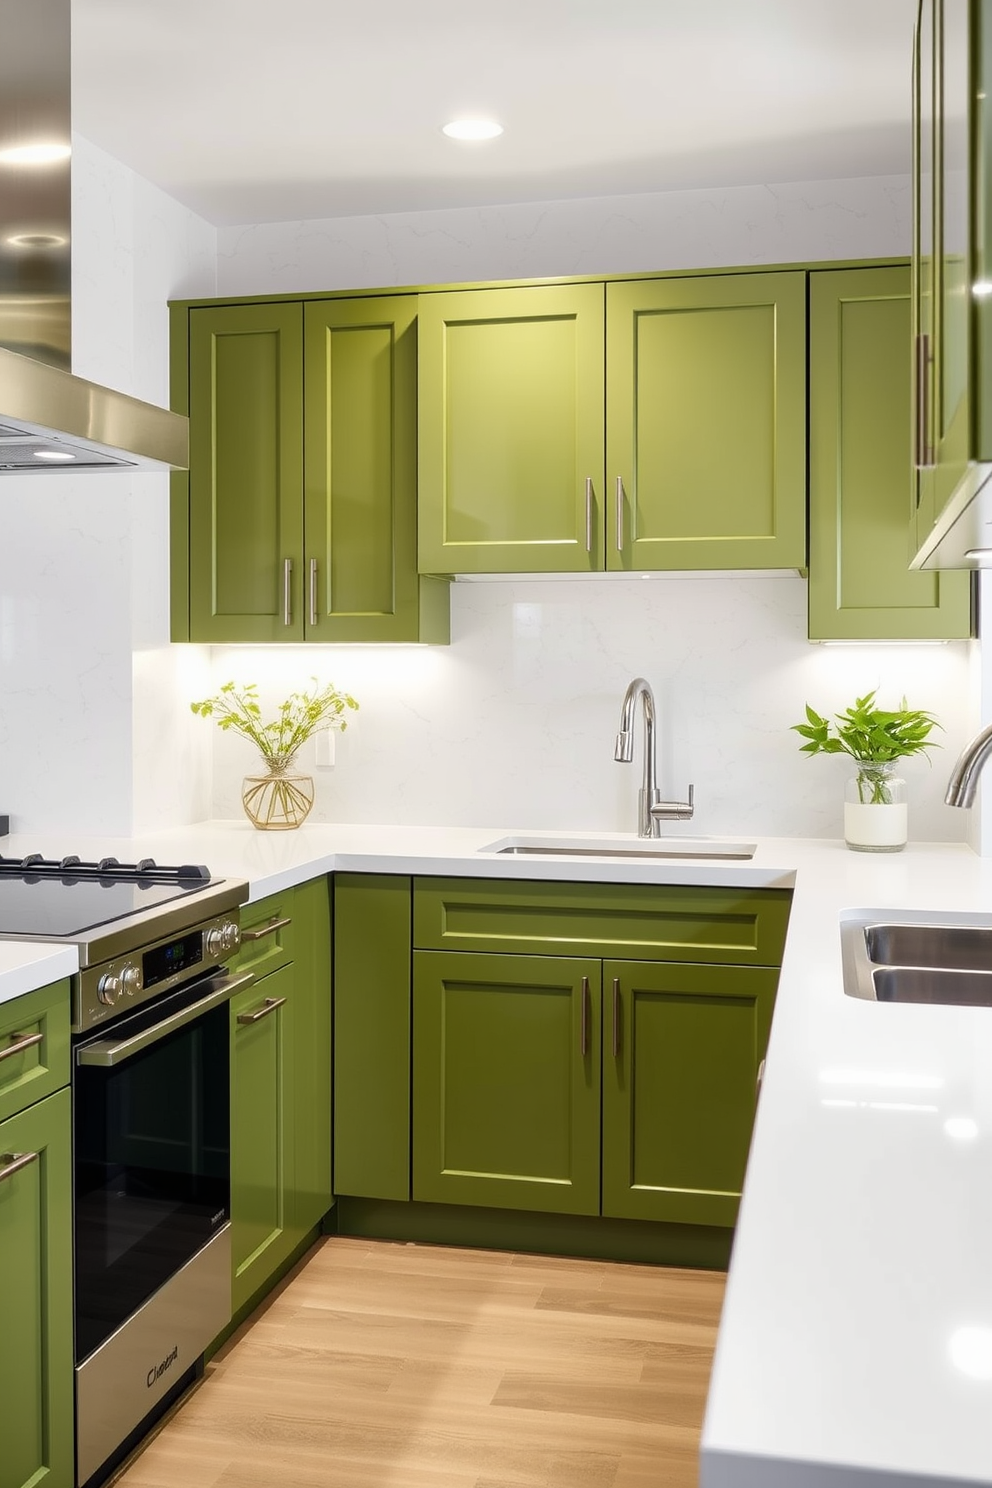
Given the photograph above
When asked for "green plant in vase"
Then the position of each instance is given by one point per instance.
(875, 739)
(281, 798)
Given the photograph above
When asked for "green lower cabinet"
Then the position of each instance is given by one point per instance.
(36, 1381)
(310, 1059)
(681, 1050)
(506, 1081)
(261, 1132)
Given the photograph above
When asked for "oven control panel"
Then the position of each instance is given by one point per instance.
(114, 987)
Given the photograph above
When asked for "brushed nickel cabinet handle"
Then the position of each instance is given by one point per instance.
(584, 1019)
(313, 591)
(761, 1069)
(268, 929)
(13, 1162)
(619, 513)
(287, 596)
(268, 1006)
(922, 456)
(616, 1017)
(21, 1041)
(588, 513)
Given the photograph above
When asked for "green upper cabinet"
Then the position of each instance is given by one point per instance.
(681, 1051)
(298, 521)
(705, 428)
(246, 474)
(952, 255)
(511, 430)
(860, 586)
(360, 468)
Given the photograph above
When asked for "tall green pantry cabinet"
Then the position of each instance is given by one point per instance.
(297, 520)
(36, 1404)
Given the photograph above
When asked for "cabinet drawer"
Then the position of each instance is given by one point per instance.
(34, 1047)
(650, 922)
(268, 937)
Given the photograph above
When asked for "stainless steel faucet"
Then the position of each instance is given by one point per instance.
(651, 809)
(964, 776)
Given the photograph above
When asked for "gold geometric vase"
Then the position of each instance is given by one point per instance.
(279, 800)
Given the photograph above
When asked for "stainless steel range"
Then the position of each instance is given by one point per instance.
(151, 1124)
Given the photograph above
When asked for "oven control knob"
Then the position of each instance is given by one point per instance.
(131, 980)
(108, 988)
(230, 935)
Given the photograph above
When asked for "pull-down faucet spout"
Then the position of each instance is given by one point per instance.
(651, 809)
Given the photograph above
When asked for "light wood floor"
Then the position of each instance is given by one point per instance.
(381, 1365)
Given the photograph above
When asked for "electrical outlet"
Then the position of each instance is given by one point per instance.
(324, 750)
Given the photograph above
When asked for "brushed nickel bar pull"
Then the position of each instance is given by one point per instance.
(313, 591)
(268, 1006)
(269, 929)
(923, 453)
(287, 597)
(761, 1076)
(619, 513)
(21, 1042)
(13, 1162)
(584, 1019)
(616, 1017)
(588, 513)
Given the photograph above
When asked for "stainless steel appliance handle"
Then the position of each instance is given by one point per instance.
(13, 1162)
(619, 513)
(21, 1041)
(269, 929)
(268, 1006)
(287, 597)
(106, 1053)
(313, 591)
(588, 513)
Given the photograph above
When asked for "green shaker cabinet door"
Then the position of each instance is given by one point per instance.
(681, 1050)
(860, 586)
(706, 418)
(361, 476)
(36, 1404)
(506, 1081)
(261, 1132)
(511, 430)
(246, 473)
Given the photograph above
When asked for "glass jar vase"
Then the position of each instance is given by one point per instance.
(876, 813)
(279, 800)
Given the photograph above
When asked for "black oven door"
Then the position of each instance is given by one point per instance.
(151, 1136)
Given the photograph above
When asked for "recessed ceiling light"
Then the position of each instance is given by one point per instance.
(41, 153)
(29, 240)
(52, 455)
(472, 129)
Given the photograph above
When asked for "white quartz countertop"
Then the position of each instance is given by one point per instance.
(855, 1345)
(25, 966)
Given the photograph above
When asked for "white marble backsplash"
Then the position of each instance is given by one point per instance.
(513, 725)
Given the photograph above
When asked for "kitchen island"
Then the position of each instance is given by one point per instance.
(856, 1338)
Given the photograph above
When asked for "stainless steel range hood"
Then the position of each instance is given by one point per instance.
(49, 419)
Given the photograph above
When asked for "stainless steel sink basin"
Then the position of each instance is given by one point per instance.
(956, 947)
(704, 849)
(894, 956)
(933, 984)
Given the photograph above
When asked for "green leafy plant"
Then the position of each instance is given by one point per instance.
(872, 737)
(301, 715)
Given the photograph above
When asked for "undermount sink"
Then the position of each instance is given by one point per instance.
(920, 958)
(666, 848)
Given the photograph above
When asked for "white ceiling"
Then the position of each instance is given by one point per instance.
(270, 110)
